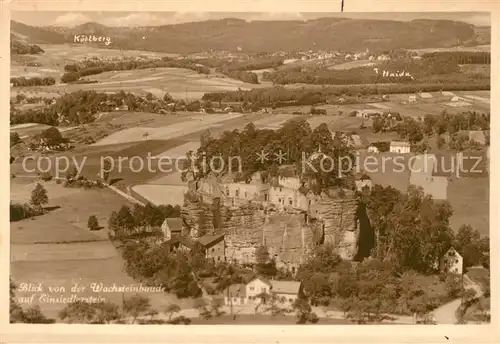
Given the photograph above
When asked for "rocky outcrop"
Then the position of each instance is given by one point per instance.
(338, 216)
(290, 235)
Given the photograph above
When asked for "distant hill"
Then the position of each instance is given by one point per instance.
(267, 36)
(19, 46)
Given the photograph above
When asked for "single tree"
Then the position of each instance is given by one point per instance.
(170, 310)
(107, 312)
(39, 196)
(304, 312)
(79, 312)
(92, 223)
(136, 306)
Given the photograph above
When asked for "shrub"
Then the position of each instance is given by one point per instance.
(92, 223)
(46, 176)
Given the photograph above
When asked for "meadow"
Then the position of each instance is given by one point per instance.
(56, 249)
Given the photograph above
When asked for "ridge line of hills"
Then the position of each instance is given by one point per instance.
(229, 34)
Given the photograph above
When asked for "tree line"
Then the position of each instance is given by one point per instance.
(294, 137)
(19, 48)
(74, 72)
(460, 57)
(430, 69)
(34, 81)
(280, 96)
(80, 107)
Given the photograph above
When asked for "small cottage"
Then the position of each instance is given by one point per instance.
(215, 246)
(257, 290)
(452, 262)
(401, 147)
(172, 228)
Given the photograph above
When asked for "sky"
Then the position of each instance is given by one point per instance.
(163, 18)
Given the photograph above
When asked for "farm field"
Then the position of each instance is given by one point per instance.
(173, 178)
(458, 48)
(67, 273)
(469, 199)
(172, 131)
(260, 319)
(353, 64)
(56, 56)
(32, 129)
(180, 151)
(162, 194)
(67, 222)
(180, 83)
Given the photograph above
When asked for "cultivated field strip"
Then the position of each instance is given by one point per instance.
(65, 251)
(176, 130)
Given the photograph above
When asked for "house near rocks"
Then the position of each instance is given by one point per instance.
(279, 211)
(259, 289)
(172, 228)
(400, 147)
(214, 245)
(452, 262)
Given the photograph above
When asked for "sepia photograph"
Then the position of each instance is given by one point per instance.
(250, 168)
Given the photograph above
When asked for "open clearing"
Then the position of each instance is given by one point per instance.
(68, 273)
(56, 249)
(162, 194)
(469, 199)
(63, 224)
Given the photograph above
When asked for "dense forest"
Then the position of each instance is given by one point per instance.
(20, 48)
(81, 107)
(431, 68)
(34, 81)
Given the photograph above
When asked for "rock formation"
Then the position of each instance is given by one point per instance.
(290, 235)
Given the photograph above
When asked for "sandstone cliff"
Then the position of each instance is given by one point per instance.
(290, 235)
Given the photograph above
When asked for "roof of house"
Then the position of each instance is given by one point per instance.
(210, 239)
(400, 143)
(175, 224)
(453, 251)
(285, 287)
(236, 290)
